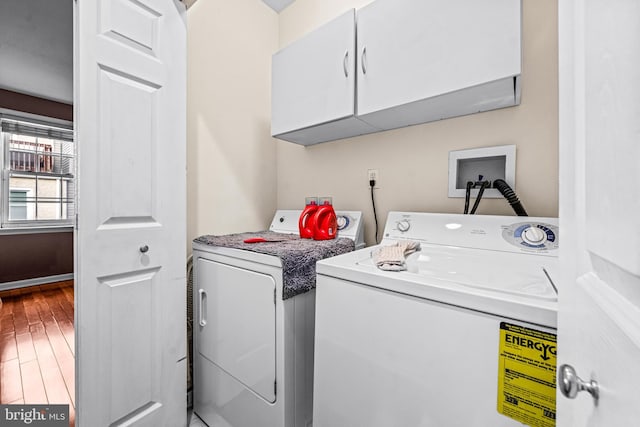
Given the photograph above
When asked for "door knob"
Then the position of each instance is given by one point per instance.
(570, 384)
(144, 249)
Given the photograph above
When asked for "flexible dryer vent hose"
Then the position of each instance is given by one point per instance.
(511, 197)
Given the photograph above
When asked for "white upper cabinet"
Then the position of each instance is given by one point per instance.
(313, 85)
(425, 60)
(415, 61)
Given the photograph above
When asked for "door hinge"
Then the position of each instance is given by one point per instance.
(274, 296)
(275, 387)
(76, 224)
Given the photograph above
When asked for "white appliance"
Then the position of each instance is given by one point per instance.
(421, 347)
(253, 351)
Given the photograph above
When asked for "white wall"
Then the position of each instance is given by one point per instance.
(231, 174)
(413, 161)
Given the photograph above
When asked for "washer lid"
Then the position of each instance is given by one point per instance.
(508, 285)
(502, 272)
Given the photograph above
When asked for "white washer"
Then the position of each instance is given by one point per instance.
(253, 351)
(420, 347)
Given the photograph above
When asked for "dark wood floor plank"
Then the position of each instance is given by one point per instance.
(7, 305)
(68, 292)
(37, 340)
(63, 355)
(20, 320)
(44, 311)
(67, 307)
(8, 347)
(56, 308)
(31, 310)
(66, 327)
(6, 323)
(11, 388)
(26, 352)
(32, 385)
(51, 375)
(37, 294)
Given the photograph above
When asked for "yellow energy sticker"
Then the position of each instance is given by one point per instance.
(527, 375)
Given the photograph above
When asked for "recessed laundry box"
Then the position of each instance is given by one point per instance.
(254, 315)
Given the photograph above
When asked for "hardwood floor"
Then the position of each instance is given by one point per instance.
(37, 346)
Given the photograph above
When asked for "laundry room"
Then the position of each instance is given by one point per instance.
(239, 175)
(376, 212)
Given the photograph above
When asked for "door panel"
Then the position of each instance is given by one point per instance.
(599, 301)
(134, 145)
(129, 339)
(239, 336)
(130, 84)
(612, 153)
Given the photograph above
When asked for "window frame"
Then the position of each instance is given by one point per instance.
(5, 191)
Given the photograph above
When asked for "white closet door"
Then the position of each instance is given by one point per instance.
(599, 297)
(130, 100)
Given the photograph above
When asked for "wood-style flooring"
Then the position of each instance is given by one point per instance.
(37, 346)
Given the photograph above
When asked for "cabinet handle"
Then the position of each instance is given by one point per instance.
(345, 63)
(202, 321)
(362, 60)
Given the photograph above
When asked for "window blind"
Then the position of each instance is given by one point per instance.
(37, 131)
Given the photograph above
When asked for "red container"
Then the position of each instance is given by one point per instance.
(326, 226)
(306, 223)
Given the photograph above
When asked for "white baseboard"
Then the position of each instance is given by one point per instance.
(33, 282)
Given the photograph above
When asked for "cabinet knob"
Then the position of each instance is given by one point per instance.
(144, 249)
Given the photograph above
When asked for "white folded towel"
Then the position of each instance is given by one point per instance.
(392, 258)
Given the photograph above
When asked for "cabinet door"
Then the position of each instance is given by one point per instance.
(314, 78)
(412, 50)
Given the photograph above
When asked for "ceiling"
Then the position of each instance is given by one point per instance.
(36, 48)
(278, 5)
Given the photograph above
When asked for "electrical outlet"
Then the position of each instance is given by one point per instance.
(372, 175)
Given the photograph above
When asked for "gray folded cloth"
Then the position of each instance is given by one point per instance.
(393, 257)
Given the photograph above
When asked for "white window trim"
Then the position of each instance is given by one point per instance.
(5, 223)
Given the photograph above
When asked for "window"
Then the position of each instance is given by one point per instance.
(38, 183)
(18, 204)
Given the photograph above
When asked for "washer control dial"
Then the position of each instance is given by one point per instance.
(403, 225)
(342, 221)
(534, 236)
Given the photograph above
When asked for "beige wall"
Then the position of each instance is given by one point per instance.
(413, 161)
(231, 161)
(238, 175)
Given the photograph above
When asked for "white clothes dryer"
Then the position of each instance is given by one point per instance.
(253, 351)
(437, 345)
